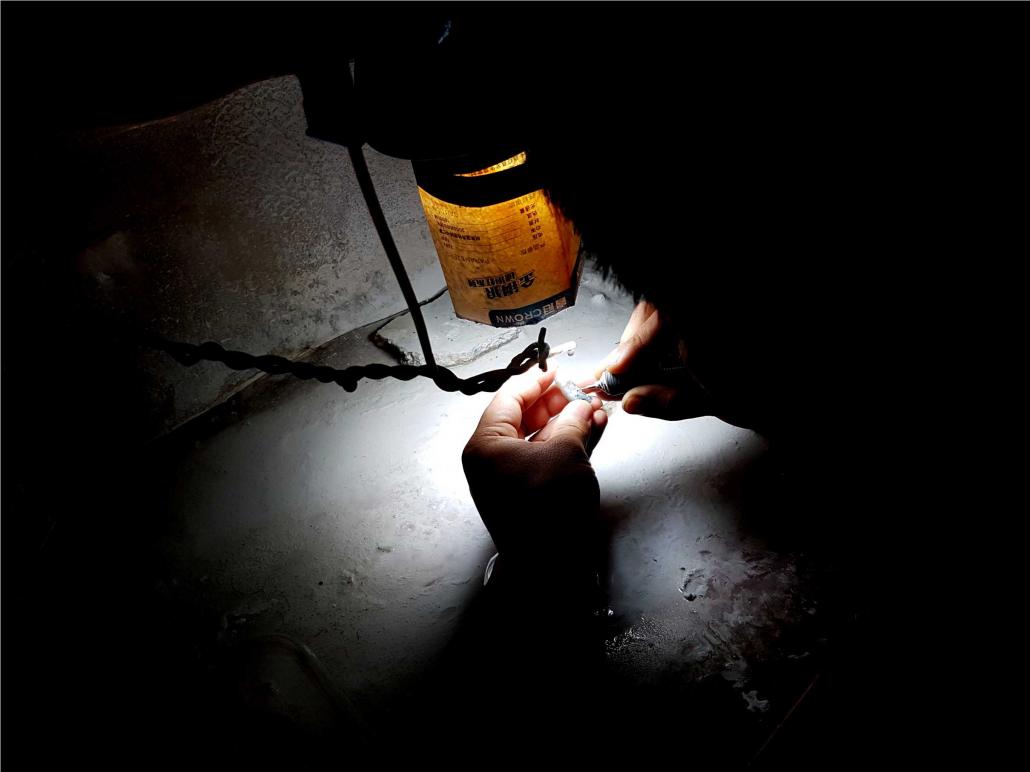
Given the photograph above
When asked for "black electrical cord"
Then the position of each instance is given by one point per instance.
(535, 353)
(188, 354)
(379, 220)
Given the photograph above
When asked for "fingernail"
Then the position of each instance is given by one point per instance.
(633, 404)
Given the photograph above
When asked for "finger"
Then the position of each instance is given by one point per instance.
(664, 402)
(550, 405)
(641, 313)
(599, 420)
(572, 424)
(543, 410)
(503, 416)
(642, 338)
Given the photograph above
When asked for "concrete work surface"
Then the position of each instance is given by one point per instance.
(319, 552)
(455, 341)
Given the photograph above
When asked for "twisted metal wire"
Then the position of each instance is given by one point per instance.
(188, 354)
(536, 353)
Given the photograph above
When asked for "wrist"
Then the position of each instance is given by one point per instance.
(571, 584)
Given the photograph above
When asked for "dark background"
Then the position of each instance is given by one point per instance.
(929, 113)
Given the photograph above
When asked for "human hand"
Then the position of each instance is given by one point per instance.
(530, 476)
(646, 346)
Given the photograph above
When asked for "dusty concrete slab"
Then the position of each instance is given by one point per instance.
(455, 341)
(300, 515)
(224, 223)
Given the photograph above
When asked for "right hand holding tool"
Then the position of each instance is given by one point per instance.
(648, 371)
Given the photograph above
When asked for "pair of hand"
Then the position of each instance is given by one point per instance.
(528, 461)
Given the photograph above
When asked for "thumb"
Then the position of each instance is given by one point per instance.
(572, 424)
(665, 402)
